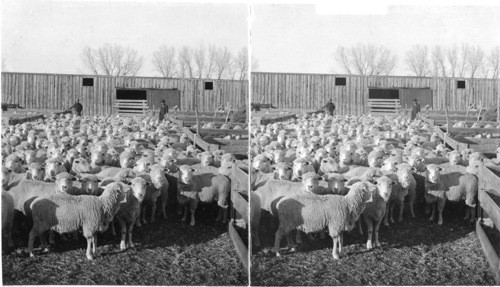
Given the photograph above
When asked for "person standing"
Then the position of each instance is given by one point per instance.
(329, 107)
(77, 107)
(415, 109)
(163, 110)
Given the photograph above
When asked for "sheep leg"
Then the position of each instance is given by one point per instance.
(472, 213)
(377, 225)
(433, 211)
(289, 242)
(298, 236)
(94, 244)
(123, 231)
(224, 215)
(51, 237)
(391, 211)
(31, 241)
(341, 242)
(185, 209)
(153, 212)
(112, 225)
(440, 206)
(255, 235)
(369, 225)
(401, 207)
(129, 231)
(193, 204)
(335, 251)
(386, 215)
(427, 208)
(89, 249)
(412, 201)
(163, 206)
(360, 227)
(277, 239)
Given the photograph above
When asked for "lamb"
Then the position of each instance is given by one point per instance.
(328, 165)
(300, 167)
(7, 216)
(374, 211)
(129, 212)
(466, 189)
(80, 165)
(312, 213)
(404, 181)
(187, 194)
(52, 168)
(160, 182)
(14, 163)
(435, 193)
(67, 213)
(262, 163)
(86, 184)
(35, 171)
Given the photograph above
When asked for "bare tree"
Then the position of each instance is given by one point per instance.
(366, 59)
(165, 62)
(452, 58)
(232, 69)
(438, 61)
(474, 60)
(418, 61)
(463, 60)
(493, 62)
(241, 62)
(185, 60)
(199, 60)
(113, 60)
(211, 58)
(222, 61)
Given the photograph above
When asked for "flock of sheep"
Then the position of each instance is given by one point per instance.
(73, 174)
(330, 173)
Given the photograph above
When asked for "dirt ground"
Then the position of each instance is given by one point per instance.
(166, 253)
(413, 252)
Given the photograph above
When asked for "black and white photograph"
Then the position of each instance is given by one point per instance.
(123, 125)
(250, 143)
(374, 153)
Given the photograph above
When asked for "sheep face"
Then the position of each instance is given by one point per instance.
(336, 183)
(227, 158)
(142, 165)
(262, 163)
(36, 171)
(186, 174)
(405, 177)
(226, 168)
(374, 160)
(5, 176)
(283, 172)
(64, 184)
(278, 156)
(206, 158)
(397, 155)
(310, 184)
(345, 157)
(328, 165)
(455, 158)
(360, 157)
(80, 165)
(384, 186)
(14, 163)
(475, 167)
(301, 166)
(97, 158)
(432, 173)
(139, 186)
(90, 184)
(371, 174)
(168, 163)
(157, 177)
(389, 165)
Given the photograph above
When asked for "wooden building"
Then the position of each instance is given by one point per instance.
(99, 93)
(350, 93)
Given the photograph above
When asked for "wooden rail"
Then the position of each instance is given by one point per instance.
(239, 211)
(383, 106)
(483, 145)
(133, 107)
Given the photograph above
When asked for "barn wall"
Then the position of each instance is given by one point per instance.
(311, 91)
(56, 91)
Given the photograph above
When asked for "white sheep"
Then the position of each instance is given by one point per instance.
(312, 213)
(375, 211)
(66, 213)
(187, 194)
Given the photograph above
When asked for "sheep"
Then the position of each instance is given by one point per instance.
(160, 182)
(187, 194)
(300, 167)
(129, 212)
(127, 159)
(52, 168)
(312, 213)
(435, 194)
(7, 216)
(14, 163)
(80, 165)
(35, 171)
(86, 184)
(262, 163)
(66, 213)
(328, 165)
(375, 211)
(404, 181)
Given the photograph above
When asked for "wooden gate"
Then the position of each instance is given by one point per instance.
(131, 107)
(383, 106)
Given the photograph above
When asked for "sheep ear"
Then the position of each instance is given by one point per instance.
(148, 183)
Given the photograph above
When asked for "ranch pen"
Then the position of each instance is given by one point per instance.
(98, 94)
(350, 93)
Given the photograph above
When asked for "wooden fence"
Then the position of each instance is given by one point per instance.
(134, 107)
(383, 106)
(59, 91)
(311, 91)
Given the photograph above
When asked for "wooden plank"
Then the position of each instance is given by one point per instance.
(206, 132)
(239, 246)
(489, 206)
(489, 252)
(201, 143)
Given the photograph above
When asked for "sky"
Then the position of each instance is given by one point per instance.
(295, 38)
(48, 36)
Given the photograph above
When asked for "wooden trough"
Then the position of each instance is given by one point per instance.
(19, 116)
(461, 139)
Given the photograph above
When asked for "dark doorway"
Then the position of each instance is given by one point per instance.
(131, 94)
(392, 94)
(171, 96)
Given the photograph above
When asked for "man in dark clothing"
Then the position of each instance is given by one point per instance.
(78, 108)
(329, 107)
(415, 109)
(163, 110)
